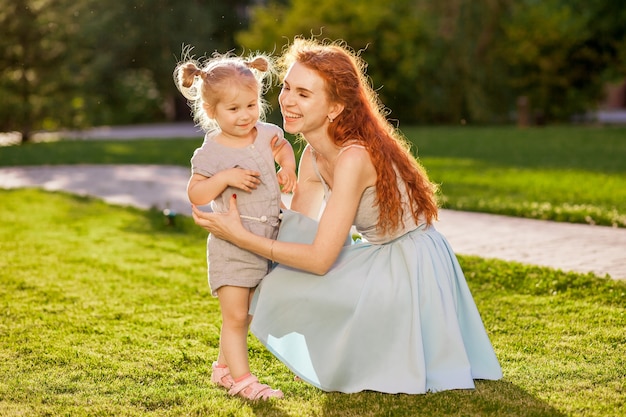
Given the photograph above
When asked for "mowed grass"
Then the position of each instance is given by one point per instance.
(562, 173)
(105, 311)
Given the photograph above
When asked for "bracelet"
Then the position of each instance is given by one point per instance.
(272, 251)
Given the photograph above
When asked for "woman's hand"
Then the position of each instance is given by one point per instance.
(225, 226)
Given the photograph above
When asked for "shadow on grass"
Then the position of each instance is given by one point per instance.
(490, 398)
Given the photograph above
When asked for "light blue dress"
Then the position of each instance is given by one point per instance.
(394, 314)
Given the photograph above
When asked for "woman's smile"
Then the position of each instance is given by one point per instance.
(290, 115)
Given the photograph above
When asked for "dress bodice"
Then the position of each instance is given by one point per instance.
(368, 212)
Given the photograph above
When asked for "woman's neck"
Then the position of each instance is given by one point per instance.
(324, 147)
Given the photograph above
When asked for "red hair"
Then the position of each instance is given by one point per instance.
(363, 119)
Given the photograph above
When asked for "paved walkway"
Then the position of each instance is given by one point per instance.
(163, 130)
(570, 247)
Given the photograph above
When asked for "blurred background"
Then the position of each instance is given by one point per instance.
(74, 64)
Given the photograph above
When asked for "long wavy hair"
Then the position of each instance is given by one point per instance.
(363, 119)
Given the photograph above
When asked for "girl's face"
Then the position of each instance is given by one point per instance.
(303, 101)
(237, 113)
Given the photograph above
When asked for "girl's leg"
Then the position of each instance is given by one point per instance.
(234, 302)
(221, 360)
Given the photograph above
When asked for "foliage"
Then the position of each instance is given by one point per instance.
(70, 64)
(462, 60)
(394, 48)
(75, 64)
(145, 42)
(37, 64)
(106, 311)
(607, 45)
(560, 53)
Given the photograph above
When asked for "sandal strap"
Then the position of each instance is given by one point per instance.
(221, 376)
(257, 390)
(241, 385)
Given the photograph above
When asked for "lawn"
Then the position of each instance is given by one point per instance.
(106, 311)
(562, 173)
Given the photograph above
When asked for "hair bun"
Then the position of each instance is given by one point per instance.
(258, 63)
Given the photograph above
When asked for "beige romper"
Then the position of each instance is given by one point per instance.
(259, 209)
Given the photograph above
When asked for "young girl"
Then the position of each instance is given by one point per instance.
(236, 159)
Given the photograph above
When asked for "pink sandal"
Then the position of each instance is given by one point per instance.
(250, 388)
(221, 376)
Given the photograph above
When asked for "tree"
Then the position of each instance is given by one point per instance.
(143, 40)
(465, 60)
(392, 47)
(431, 60)
(462, 79)
(36, 81)
(546, 48)
(67, 64)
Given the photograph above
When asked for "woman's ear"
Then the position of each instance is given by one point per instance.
(335, 110)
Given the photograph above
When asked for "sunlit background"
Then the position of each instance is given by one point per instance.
(82, 63)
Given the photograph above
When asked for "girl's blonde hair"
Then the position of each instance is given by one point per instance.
(206, 83)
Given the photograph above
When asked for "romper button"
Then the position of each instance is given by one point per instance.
(263, 219)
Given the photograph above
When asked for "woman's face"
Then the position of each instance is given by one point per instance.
(303, 102)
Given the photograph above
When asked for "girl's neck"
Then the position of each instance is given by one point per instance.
(236, 141)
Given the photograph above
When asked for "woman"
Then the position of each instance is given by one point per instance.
(392, 314)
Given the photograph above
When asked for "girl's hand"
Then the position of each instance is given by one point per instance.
(225, 226)
(244, 179)
(287, 180)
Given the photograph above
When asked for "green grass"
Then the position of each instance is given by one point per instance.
(144, 151)
(567, 173)
(106, 311)
(563, 173)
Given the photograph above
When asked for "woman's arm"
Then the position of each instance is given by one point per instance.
(353, 173)
(309, 194)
